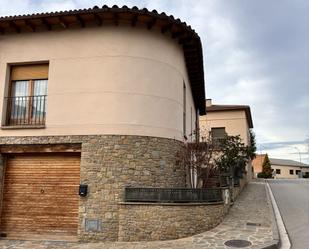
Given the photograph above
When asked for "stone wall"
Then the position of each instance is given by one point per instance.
(145, 221)
(108, 164)
(237, 190)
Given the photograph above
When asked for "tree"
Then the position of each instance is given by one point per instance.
(252, 146)
(207, 159)
(266, 169)
(197, 159)
(233, 155)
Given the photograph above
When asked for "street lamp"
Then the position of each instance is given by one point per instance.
(301, 172)
(298, 153)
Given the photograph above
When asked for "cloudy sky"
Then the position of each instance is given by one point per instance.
(255, 53)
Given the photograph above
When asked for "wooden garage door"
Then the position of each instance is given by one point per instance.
(41, 196)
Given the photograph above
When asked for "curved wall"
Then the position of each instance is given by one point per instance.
(108, 80)
(166, 221)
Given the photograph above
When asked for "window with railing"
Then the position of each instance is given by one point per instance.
(26, 103)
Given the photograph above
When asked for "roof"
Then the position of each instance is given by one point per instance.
(221, 108)
(287, 162)
(178, 30)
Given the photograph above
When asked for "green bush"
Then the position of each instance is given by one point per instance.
(261, 175)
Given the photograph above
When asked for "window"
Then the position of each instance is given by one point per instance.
(184, 110)
(26, 103)
(291, 172)
(218, 133)
(278, 171)
(297, 172)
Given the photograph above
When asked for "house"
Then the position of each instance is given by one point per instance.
(92, 101)
(257, 164)
(282, 168)
(227, 119)
(288, 169)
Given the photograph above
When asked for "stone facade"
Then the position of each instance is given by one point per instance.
(140, 222)
(237, 190)
(108, 164)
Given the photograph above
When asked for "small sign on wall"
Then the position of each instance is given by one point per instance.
(93, 225)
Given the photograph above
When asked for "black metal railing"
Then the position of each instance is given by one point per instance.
(176, 195)
(26, 110)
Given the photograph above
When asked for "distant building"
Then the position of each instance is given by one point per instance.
(288, 169)
(283, 168)
(221, 120)
(257, 164)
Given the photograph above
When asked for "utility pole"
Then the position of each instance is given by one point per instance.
(298, 153)
(301, 172)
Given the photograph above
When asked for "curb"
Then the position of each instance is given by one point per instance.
(276, 242)
(280, 235)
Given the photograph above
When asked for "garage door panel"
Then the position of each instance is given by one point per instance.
(40, 195)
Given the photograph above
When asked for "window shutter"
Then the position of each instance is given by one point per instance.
(218, 132)
(27, 72)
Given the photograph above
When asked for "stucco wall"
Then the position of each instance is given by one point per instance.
(235, 123)
(139, 222)
(105, 80)
(285, 171)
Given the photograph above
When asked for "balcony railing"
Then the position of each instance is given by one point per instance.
(26, 110)
(176, 195)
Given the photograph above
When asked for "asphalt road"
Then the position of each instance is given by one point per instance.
(292, 197)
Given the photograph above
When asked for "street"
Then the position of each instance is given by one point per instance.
(292, 197)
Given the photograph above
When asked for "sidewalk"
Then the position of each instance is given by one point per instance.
(249, 219)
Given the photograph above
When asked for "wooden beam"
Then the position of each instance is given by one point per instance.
(46, 24)
(151, 23)
(98, 19)
(134, 20)
(177, 34)
(30, 25)
(189, 48)
(80, 20)
(40, 148)
(15, 26)
(185, 40)
(166, 28)
(116, 19)
(62, 22)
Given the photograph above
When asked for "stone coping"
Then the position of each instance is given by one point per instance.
(172, 203)
(18, 127)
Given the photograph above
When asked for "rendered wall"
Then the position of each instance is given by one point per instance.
(235, 123)
(105, 80)
(285, 171)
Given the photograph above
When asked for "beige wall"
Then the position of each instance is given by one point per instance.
(235, 123)
(285, 171)
(106, 80)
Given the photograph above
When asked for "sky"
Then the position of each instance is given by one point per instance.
(255, 53)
